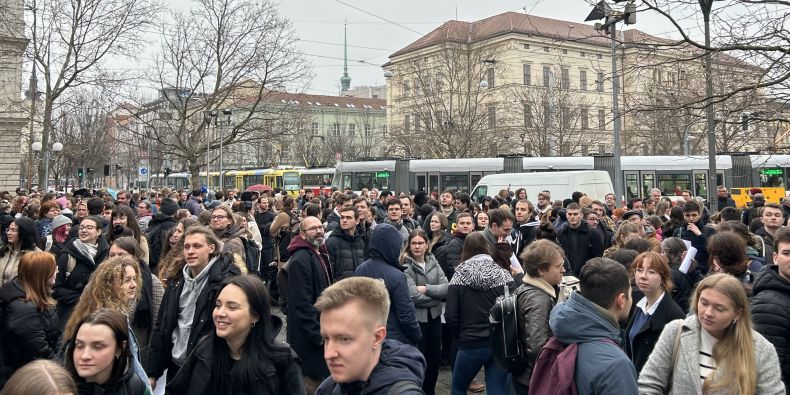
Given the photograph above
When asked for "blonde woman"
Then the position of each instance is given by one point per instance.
(717, 352)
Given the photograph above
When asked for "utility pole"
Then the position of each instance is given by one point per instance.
(713, 204)
(32, 94)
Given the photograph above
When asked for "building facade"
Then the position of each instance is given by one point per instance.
(13, 117)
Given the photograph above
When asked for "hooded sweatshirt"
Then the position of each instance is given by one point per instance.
(397, 362)
(602, 367)
(385, 247)
(771, 314)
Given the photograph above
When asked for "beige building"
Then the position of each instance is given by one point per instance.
(523, 84)
(13, 118)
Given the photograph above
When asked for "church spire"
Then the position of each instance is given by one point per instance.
(345, 80)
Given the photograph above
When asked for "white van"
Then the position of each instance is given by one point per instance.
(595, 183)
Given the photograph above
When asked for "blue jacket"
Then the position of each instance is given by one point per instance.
(601, 367)
(398, 362)
(385, 247)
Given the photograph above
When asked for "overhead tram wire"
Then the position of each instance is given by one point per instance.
(379, 17)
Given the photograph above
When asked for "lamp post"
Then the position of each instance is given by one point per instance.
(222, 126)
(37, 146)
(713, 204)
(603, 11)
(207, 115)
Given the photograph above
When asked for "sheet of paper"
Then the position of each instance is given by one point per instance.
(690, 254)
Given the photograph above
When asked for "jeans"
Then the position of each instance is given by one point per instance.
(468, 363)
(431, 347)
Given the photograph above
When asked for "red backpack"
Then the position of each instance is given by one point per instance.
(554, 372)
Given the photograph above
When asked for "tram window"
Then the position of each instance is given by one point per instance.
(632, 186)
(772, 178)
(701, 185)
(459, 183)
(421, 183)
(363, 180)
(474, 179)
(381, 181)
(433, 183)
(648, 183)
(346, 180)
(669, 184)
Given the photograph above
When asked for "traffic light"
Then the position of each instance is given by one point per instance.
(80, 172)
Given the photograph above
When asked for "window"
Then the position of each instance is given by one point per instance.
(314, 128)
(336, 129)
(352, 129)
(527, 74)
(527, 115)
(407, 123)
(490, 77)
(583, 117)
(526, 46)
(583, 80)
(367, 130)
(564, 51)
(417, 123)
(601, 119)
(566, 78)
(546, 75)
(599, 56)
(582, 54)
(599, 82)
(566, 117)
(491, 116)
(545, 49)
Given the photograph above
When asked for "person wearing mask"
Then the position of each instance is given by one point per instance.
(346, 246)
(76, 264)
(717, 349)
(543, 264)
(21, 237)
(99, 357)
(241, 356)
(652, 276)
(579, 242)
(477, 282)
(29, 329)
(185, 314)
(428, 290)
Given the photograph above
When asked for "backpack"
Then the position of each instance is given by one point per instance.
(252, 255)
(506, 347)
(554, 372)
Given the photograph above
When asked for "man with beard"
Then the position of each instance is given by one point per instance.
(308, 274)
(447, 201)
(384, 264)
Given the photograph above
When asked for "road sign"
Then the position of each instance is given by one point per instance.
(143, 171)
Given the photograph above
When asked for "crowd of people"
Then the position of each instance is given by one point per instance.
(103, 294)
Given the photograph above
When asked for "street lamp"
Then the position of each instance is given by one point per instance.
(56, 147)
(603, 11)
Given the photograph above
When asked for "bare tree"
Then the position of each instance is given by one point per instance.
(72, 41)
(444, 111)
(224, 54)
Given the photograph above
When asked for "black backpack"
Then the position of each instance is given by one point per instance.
(252, 255)
(506, 347)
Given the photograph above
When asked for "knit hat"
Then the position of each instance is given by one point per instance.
(59, 221)
(168, 207)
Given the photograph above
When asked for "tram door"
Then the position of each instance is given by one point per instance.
(648, 183)
(433, 182)
(631, 185)
(701, 184)
(422, 182)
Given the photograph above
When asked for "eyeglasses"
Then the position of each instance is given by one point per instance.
(418, 243)
(9, 230)
(218, 217)
(87, 227)
(314, 229)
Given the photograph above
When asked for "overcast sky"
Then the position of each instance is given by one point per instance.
(319, 25)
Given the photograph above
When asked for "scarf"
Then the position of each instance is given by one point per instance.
(87, 250)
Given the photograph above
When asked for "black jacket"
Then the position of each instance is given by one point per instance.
(69, 286)
(449, 256)
(580, 245)
(308, 275)
(644, 341)
(397, 363)
(725, 202)
(384, 263)
(346, 253)
(699, 242)
(25, 333)
(534, 306)
(683, 288)
(272, 377)
(160, 355)
(264, 221)
(156, 234)
(128, 384)
(771, 314)
(472, 292)
(522, 235)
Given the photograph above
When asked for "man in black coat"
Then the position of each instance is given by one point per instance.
(579, 242)
(158, 227)
(724, 199)
(449, 256)
(346, 246)
(771, 302)
(308, 274)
